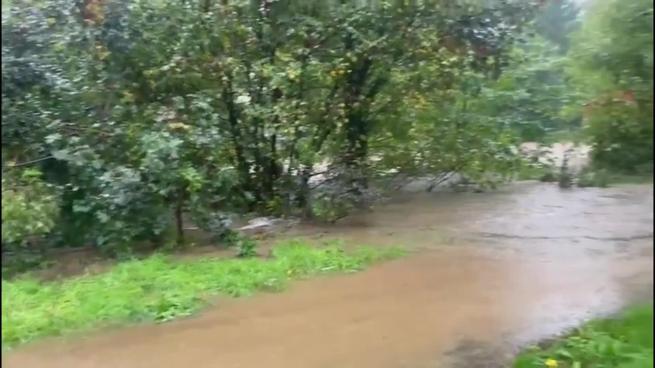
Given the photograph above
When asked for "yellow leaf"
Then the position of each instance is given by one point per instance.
(179, 126)
(128, 97)
(551, 363)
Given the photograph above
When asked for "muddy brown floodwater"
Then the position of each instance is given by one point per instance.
(489, 273)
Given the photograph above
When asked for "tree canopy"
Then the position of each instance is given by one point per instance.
(611, 66)
(130, 114)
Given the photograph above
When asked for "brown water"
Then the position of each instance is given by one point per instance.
(489, 273)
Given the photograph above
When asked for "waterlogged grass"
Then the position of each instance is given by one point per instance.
(160, 289)
(622, 342)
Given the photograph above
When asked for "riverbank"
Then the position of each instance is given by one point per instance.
(625, 341)
(160, 289)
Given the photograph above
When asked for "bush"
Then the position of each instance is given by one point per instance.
(537, 171)
(29, 208)
(593, 178)
(331, 209)
(215, 223)
(549, 177)
(622, 140)
(246, 247)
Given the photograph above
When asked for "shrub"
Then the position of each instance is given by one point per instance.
(593, 178)
(246, 247)
(29, 208)
(549, 177)
(622, 140)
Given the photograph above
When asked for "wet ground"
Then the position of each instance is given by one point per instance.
(488, 273)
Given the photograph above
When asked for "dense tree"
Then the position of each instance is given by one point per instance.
(611, 64)
(141, 111)
(556, 21)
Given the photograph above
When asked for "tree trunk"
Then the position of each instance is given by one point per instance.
(357, 123)
(179, 221)
(356, 150)
(242, 165)
(304, 202)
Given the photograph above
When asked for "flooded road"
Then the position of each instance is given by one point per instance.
(488, 273)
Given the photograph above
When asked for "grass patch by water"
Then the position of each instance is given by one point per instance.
(160, 289)
(625, 341)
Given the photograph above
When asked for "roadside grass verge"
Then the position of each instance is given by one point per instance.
(160, 289)
(625, 341)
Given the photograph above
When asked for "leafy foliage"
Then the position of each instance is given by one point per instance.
(611, 63)
(557, 21)
(143, 111)
(29, 208)
(593, 178)
(531, 95)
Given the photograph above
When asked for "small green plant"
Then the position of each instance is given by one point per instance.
(528, 171)
(536, 171)
(331, 209)
(593, 178)
(549, 177)
(29, 208)
(247, 247)
(160, 289)
(623, 342)
(229, 238)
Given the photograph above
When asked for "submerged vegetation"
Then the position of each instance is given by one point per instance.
(625, 341)
(159, 288)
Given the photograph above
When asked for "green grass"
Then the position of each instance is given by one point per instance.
(160, 289)
(625, 341)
